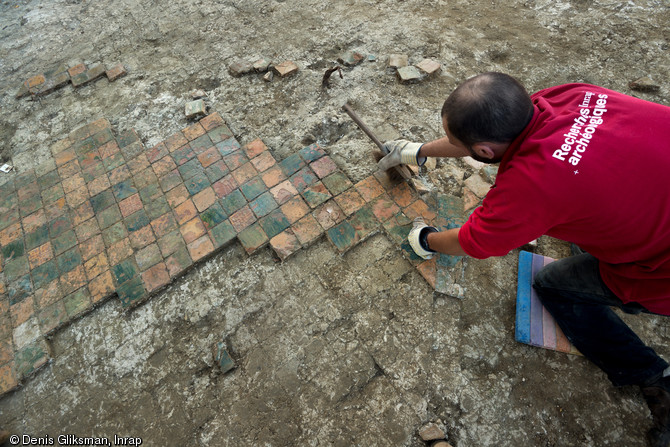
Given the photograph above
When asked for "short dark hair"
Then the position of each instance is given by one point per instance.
(490, 107)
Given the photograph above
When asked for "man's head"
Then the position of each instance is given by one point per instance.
(486, 113)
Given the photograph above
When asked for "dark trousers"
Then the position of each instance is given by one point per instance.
(573, 292)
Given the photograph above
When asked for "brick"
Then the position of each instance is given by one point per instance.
(329, 214)
(178, 262)
(316, 194)
(253, 238)
(119, 251)
(263, 204)
(176, 141)
(324, 166)
(73, 280)
(113, 234)
(285, 244)
(177, 196)
(142, 237)
(101, 286)
(209, 156)
(311, 153)
(185, 212)
(284, 192)
(211, 121)
(170, 180)
(291, 164)
(156, 277)
(384, 208)
(40, 255)
(303, 179)
(273, 176)
(164, 224)
(52, 317)
(242, 218)
(204, 199)
(223, 233)
(337, 183)
(254, 148)
(343, 236)
(286, 68)
(34, 221)
(125, 270)
(92, 247)
(170, 243)
(96, 265)
(235, 160)
(369, 188)
(253, 188)
(227, 146)
(130, 205)
(192, 229)
(131, 292)
(294, 209)
(148, 257)
(274, 223)
(116, 72)
(216, 171)
(164, 166)
(213, 216)
(200, 248)
(193, 131)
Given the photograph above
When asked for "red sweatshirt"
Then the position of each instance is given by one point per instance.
(592, 167)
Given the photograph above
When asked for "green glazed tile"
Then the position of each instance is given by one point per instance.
(150, 193)
(30, 204)
(137, 220)
(19, 290)
(126, 138)
(124, 189)
(253, 188)
(114, 161)
(343, 236)
(69, 260)
(102, 201)
(311, 152)
(183, 154)
(44, 274)
(59, 225)
(125, 271)
(64, 242)
(201, 144)
(337, 183)
(233, 202)
(131, 291)
(223, 233)
(197, 183)
(190, 168)
(252, 238)
(263, 205)
(213, 216)
(38, 237)
(274, 223)
(109, 217)
(30, 358)
(221, 133)
(114, 233)
(13, 250)
(157, 208)
(48, 180)
(227, 146)
(291, 164)
(77, 302)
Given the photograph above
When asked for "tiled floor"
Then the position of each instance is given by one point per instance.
(108, 216)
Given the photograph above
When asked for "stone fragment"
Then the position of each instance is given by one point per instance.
(441, 444)
(398, 60)
(240, 67)
(351, 58)
(198, 94)
(421, 185)
(429, 66)
(431, 432)
(286, 68)
(408, 74)
(195, 108)
(223, 359)
(645, 85)
(268, 76)
(116, 72)
(478, 185)
(262, 65)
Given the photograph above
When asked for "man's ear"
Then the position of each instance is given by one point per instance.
(485, 150)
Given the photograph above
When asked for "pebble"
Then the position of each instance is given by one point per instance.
(431, 432)
(645, 85)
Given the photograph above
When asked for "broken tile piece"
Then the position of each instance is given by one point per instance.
(398, 60)
(195, 108)
(286, 68)
(240, 67)
(351, 58)
(429, 66)
(408, 74)
(285, 244)
(116, 72)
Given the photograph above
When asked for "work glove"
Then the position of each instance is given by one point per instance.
(418, 236)
(401, 152)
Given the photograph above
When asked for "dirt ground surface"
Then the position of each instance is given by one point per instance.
(329, 349)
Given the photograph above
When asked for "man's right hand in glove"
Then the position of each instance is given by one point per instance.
(401, 152)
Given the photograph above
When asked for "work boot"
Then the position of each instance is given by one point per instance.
(657, 395)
